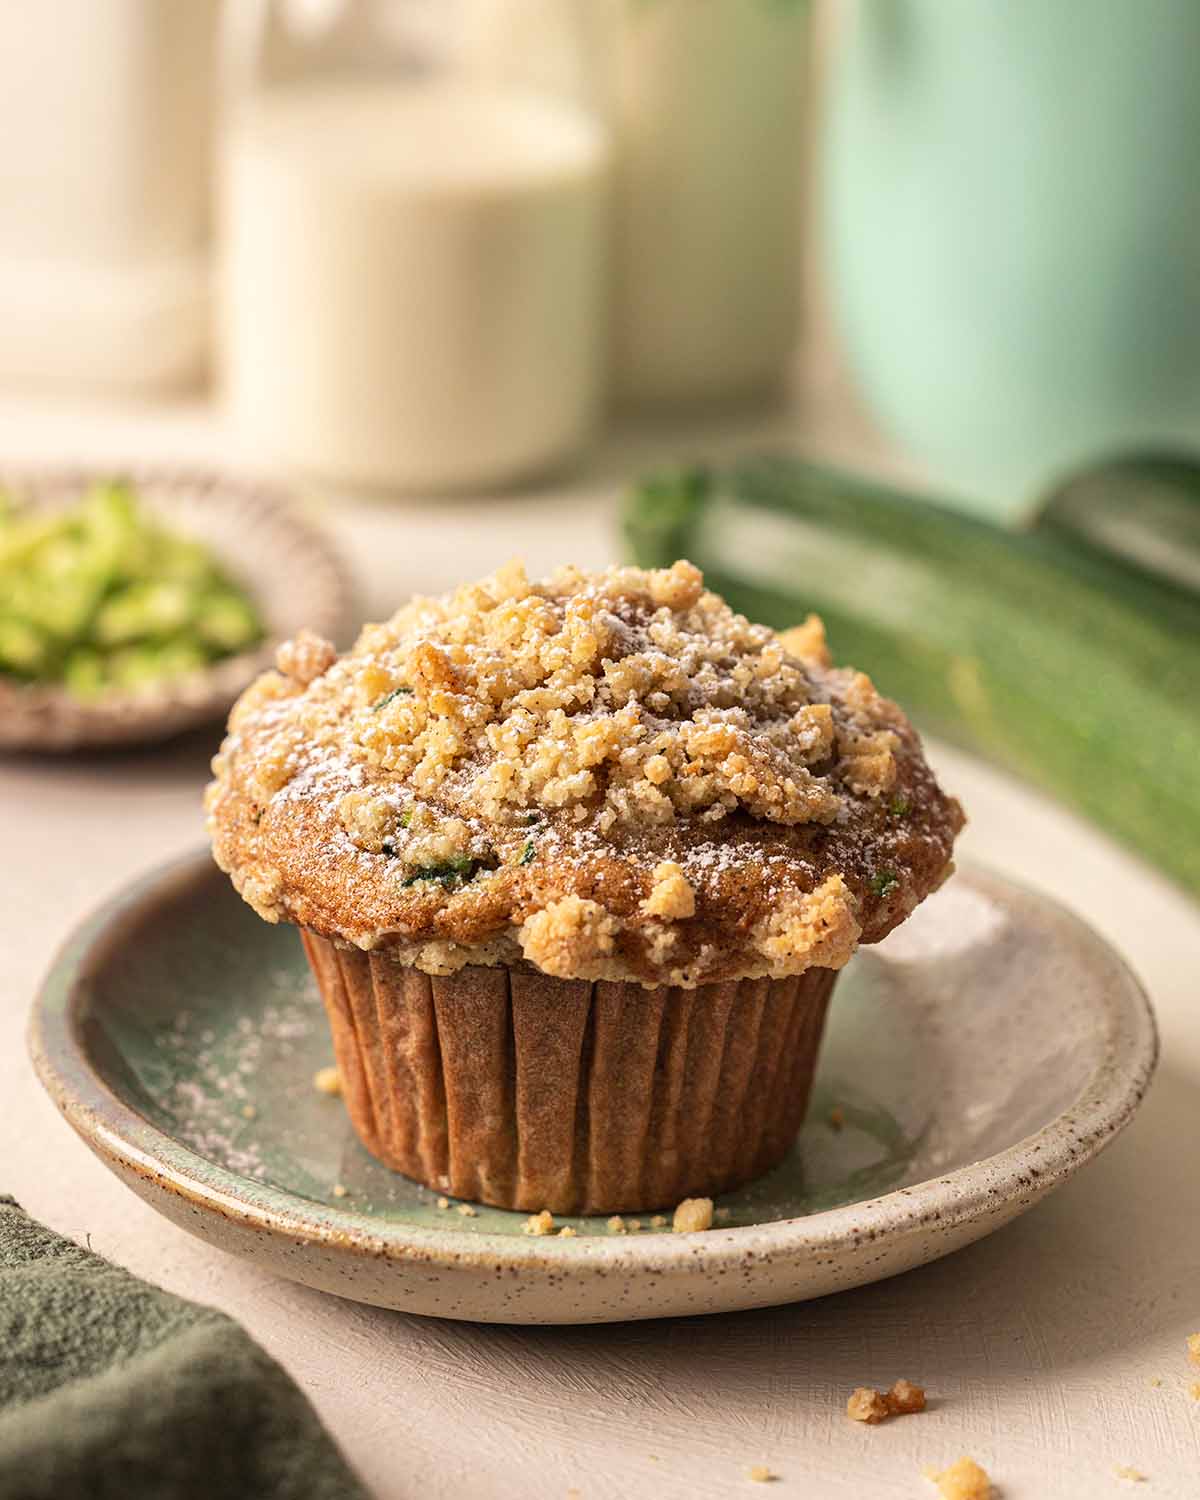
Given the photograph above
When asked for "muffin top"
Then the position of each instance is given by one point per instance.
(606, 775)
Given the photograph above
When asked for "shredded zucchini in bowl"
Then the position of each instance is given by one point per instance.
(100, 598)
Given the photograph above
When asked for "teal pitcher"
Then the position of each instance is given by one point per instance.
(1011, 199)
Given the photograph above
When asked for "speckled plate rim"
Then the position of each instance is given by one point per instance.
(1023, 1172)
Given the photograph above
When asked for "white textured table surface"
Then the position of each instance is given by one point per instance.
(1042, 1347)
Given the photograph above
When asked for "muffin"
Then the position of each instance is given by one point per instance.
(576, 863)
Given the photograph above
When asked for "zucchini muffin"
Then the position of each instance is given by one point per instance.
(576, 862)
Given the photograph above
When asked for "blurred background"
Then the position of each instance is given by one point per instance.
(441, 245)
(457, 279)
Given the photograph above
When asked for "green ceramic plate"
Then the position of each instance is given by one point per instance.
(972, 1062)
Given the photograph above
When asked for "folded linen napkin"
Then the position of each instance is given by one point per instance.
(111, 1389)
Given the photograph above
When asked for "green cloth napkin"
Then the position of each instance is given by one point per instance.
(113, 1390)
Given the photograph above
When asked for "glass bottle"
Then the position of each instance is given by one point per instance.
(414, 197)
(106, 116)
(710, 105)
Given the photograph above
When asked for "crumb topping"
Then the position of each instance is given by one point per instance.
(609, 775)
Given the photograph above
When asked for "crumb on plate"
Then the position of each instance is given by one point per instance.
(616, 1225)
(249, 1112)
(443, 1203)
(340, 1190)
(327, 1081)
(837, 1117)
(723, 1214)
(963, 1480)
(468, 1210)
(693, 1214)
(539, 1224)
(659, 1221)
(566, 1232)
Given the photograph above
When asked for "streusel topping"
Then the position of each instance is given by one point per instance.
(608, 775)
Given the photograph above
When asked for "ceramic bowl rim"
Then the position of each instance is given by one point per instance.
(46, 718)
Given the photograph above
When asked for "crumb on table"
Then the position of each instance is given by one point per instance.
(963, 1480)
(905, 1398)
(1194, 1390)
(340, 1190)
(539, 1224)
(866, 1405)
(1154, 1382)
(837, 1117)
(1193, 1347)
(327, 1081)
(693, 1214)
(249, 1112)
(1134, 1476)
(760, 1474)
(723, 1214)
(870, 1406)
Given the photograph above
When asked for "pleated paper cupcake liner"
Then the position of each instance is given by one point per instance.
(508, 1087)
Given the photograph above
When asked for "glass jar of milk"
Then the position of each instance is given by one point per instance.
(413, 237)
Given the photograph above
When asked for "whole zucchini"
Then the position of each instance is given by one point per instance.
(1053, 658)
(1141, 511)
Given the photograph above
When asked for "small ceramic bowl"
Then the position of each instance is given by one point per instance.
(284, 563)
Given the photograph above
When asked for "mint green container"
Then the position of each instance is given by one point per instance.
(1011, 196)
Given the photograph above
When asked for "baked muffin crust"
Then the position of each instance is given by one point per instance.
(609, 776)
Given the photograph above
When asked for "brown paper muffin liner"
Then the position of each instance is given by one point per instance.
(512, 1088)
